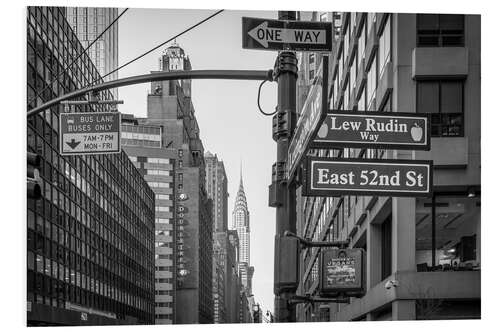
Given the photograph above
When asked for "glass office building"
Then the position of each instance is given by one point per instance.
(90, 22)
(90, 239)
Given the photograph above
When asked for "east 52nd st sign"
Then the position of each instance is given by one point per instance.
(335, 177)
(89, 133)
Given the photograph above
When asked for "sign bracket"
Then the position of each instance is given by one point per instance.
(306, 243)
(297, 299)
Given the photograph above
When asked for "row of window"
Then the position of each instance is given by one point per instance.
(141, 143)
(63, 273)
(158, 172)
(159, 184)
(443, 99)
(163, 208)
(163, 244)
(163, 197)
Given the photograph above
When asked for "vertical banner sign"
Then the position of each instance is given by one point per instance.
(336, 177)
(277, 35)
(383, 130)
(342, 271)
(311, 116)
(89, 133)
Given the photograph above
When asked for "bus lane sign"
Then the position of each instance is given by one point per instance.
(89, 133)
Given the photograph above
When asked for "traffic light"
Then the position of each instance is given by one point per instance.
(256, 318)
(33, 188)
(286, 264)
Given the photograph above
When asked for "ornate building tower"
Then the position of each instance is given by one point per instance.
(241, 223)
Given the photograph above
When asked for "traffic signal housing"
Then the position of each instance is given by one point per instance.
(34, 190)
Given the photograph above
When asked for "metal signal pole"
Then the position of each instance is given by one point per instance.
(282, 191)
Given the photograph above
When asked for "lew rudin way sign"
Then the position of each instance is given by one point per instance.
(391, 130)
(312, 113)
(89, 133)
(272, 35)
(331, 177)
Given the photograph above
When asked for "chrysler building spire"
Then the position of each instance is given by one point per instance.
(241, 223)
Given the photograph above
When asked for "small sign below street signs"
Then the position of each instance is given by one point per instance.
(342, 271)
(336, 177)
(89, 133)
(311, 116)
(383, 130)
(272, 35)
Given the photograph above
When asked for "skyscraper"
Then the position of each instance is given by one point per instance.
(90, 22)
(169, 106)
(217, 191)
(241, 223)
(157, 164)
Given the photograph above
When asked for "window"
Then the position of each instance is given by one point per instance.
(335, 87)
(347, 38)
(341, 65)
(352, 73)
(386, 262)
(371, 83)
(311, 58)
(444, 101)
(361, 47)
(452, 251)
(385, 46)
(440, 30)
(311, 75)
(362, 100)
(370, 19)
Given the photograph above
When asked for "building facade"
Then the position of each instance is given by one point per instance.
(88, 23)
(169, 106)
(217, 191)
(90, 239)
(143, 145)
(423, 255)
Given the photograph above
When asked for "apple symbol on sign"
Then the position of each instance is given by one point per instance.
(323, 131)
(416, 132)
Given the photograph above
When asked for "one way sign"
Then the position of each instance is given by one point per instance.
(272, 35)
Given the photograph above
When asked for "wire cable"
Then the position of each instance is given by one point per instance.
(160, 45)
(78, 57)
(258, 102)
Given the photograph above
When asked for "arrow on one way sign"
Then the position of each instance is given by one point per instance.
(264, 34)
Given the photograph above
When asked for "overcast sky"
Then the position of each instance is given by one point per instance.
(230, 123)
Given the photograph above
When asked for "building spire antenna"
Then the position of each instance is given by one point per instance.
(241, 171)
